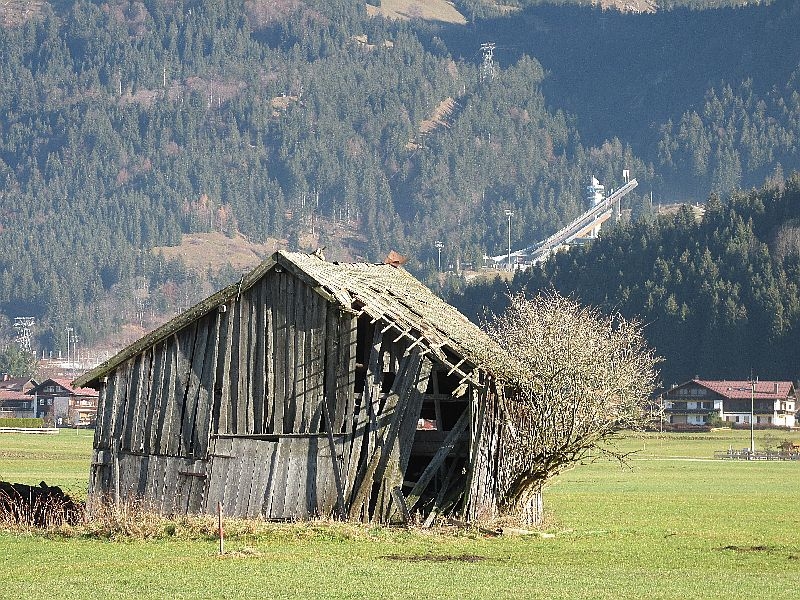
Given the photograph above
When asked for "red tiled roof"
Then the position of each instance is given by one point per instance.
(742, 389)
(13, 395)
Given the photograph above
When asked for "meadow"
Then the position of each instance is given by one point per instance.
(673, 523)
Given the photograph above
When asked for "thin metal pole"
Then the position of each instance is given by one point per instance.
(509, 214)
(752, 415)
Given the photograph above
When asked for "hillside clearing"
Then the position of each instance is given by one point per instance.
(202, 251)
(430, 10)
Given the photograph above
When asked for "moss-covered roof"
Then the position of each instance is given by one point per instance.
(383, 292)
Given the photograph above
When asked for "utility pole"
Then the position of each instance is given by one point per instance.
(509, 214)
(69, 332)
(439, 245)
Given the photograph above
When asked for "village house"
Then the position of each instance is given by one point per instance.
(309, 388)
(14, 399)
(61, 404)
(698, 401)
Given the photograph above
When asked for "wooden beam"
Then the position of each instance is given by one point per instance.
(439, 458)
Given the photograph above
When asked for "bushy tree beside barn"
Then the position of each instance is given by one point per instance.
(590, 376)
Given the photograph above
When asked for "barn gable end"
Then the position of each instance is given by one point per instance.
(308, 389)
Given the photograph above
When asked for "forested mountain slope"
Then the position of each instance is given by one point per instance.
(709, 97)
(720, 296)
(128, 125)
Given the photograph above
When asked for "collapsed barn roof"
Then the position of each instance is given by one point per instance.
(383, 292)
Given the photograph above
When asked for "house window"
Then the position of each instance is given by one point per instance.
(737, 418)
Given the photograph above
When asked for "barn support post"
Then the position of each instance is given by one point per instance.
(337, 475)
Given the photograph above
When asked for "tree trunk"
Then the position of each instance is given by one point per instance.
(530, 507)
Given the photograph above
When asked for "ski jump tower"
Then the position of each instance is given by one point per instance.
(586, 225)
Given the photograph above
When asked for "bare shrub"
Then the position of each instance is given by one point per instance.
(588, 376)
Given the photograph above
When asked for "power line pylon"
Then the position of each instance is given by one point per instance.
(487, 67)
(23, 327)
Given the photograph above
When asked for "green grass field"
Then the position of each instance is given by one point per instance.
(676, 524)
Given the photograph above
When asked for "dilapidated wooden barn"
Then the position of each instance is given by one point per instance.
(309, 388)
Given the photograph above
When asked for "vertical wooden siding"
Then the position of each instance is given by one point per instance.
(257, 367)
(230, 409)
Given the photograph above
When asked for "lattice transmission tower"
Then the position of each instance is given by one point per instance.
(488, 66)
(24, 328)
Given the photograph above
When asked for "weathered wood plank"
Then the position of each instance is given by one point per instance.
(121, 399)
(401, 397)
(184, 341)
(104, 427)
(167, 393)
(233, 371)
(297, 483)
(408, 426)
(202, 427)
(269, 356)
(133, 406)
(221, 458)
(231, 491)
(258, 362)
(481, 432)
(280, 475)
(155, 399)
(263, 459)
(325, 493)
(219, 418)
(142, 394)
(388, 421)
(334, 467)
(177, 486)
(300, 356)
(244, 415)
(197, 359)
(269, 464)
(240, 475)
(290, 357)
(312, 412)
(279, 328)
(315, 388)
(358, 454)
(198, 485)
(156, 482)
(331, 365)
(346, 372)
(308, 500)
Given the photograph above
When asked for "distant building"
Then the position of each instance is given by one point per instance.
(595, 192)
(14, 399)
(60, 404)
(698, 401)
